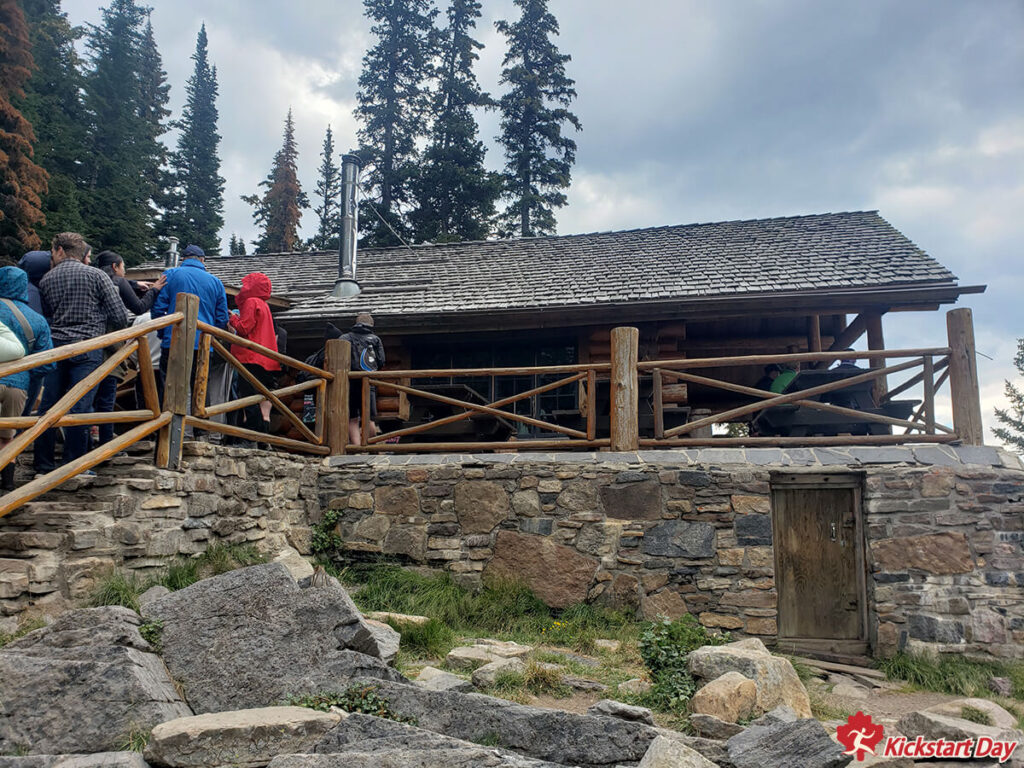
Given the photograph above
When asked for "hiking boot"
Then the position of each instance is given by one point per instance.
(7, 477)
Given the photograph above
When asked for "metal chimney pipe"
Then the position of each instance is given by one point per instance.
(171, 257)
(346, 286)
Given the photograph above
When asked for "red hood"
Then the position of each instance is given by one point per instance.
(255, 285)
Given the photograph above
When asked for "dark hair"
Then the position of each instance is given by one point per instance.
(772, 367)
(108, 259)
(72, 243)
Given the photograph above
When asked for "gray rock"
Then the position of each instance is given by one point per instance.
(611, 708)
(150, 596)
(252, 637)
(544, 734)
(935, 726)
(635, 687)
(781, 714)
(248, 738)
(999, 717)
(485, 676)
(98, 760)
(803, 744)
(400, 757)
(711, 727)
(583, 684)
(679, 538)
(435, 679)
(1001, 686)
(106, 692)
(387, 638)
(668, 753)
(91, 627)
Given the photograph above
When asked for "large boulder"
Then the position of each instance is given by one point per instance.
(710, 727)
(98, 760)
(248, 738)
(667, 753)
(776, 680)
(252, 637)
(998, 716)
(557, 574)
(435, 679)
(469, 756)
(82, 685)
(803, 744)
(731, 697)
(930, 725)
(612, 708)
(388, 639)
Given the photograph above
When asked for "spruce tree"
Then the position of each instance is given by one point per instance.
(533, 113)
(237, 246)
(22, 182)
(1012, 431)
(328, 193)
(196, 209)
(455, 194)
(125, 97)
(53, 105)
(279, 209)
(393, 104)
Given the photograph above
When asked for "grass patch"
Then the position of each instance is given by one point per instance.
(23, 629)
(119, 588)
(805, 672)
(364, 699)
(823, 709)
(511, 685)
(541, 681)
(432, 640)
(975, 715)
(135, 740)
(952, 674)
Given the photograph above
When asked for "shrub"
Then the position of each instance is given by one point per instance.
(975, 715)
(152, 632)
(664, 647)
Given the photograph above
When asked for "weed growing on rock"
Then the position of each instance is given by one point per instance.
(325, 539)
(119, 588)
(952, 674)
(363, 699)
(664, 647)
(152, 632)
(431, 640)
(823, 709)
(975, 715)
(489, 740)
(542, 681)
(135, 740)
(21, 631)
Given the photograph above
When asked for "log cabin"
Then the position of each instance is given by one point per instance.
(766, 286)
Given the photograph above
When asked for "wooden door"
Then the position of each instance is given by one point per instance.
(819, 562)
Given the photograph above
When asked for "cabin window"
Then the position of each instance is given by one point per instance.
(549, 406)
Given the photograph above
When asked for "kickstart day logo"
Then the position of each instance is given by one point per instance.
(862, 737)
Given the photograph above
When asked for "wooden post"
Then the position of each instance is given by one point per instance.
(176, 381)
(963, 377)
(876, 341)
(364, 413)
(202, 376)
(929, 395)
(813, 333)
(658, 404)
(338, 361)
(591, 404)
(625, 391)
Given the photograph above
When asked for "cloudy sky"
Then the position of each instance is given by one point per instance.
(700, 110)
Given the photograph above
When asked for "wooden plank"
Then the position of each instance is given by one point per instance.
(796, 357)
(919, 413)
(675, 393)
(66, 351)
(256, 384)
(929, 396)
(262, 437)
(591, 404)
(804, 394)
(177, 380)
(40, 485)
(846, 669)
(508, 445)
(338, 361)
(242, 402)
(778, 442)
(445, 373)
(238, 341)
(47, 420)
(658, 405)
(813, 333)
(963, 377)
(202, 376)
(844, 340)
(876, 341)
(625, 390)
(147, 376)
(80, 419)
(912, 381)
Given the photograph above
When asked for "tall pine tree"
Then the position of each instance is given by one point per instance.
(196, 208)
(455, 194)
(328, 193)
(393, 104)
(279, 209)
(22, 182)
(125, 97)
(53, 105)
(236, 246)
(1012, 419)
(533, 113)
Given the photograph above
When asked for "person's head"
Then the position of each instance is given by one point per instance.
(772, 371)
(70, 245)
(194, 252)
(364, 318)
(331, 331)
(111, 263)
(256, 284)
(36, 264)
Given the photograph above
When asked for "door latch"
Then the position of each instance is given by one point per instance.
(832, 528)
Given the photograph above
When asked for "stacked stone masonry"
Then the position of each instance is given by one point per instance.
(662, 532)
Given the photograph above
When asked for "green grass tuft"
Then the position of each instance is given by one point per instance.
(135, 740)
(432, 640)
(975, 715)
(541, 681)
(952, 674)
(119, 587)
(23, 629)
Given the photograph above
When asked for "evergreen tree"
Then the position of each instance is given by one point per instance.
(237, 246)
(393, 103)
(279, 210)
(22, 182)
(1012, 431)
(455, 194)
(533, 112)
(53, 105)
(328, 192)
(125, 97)
(196, 208)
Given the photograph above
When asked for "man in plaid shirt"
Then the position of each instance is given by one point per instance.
(81, 303)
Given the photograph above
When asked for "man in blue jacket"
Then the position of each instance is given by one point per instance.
(33, 332)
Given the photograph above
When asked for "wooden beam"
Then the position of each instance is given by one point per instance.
(625, 390)
(80, 419)
(591, 404)
(177, 380)
(799, 357)
(242, 402)
(238, 341)
(338, 361)
(800, 442)
(876, 342)
(509, 445)
(262, 437)
(202, 376)
(929, 396)
(913, 380)
(658, 404)
(963, 377)
(813, 333)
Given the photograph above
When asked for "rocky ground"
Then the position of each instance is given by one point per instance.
(273, 665)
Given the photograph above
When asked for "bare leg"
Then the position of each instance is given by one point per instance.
(354, 436)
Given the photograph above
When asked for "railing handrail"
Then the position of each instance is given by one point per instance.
(238, 341)
(443, 373)
(65, 351)
(789, 357)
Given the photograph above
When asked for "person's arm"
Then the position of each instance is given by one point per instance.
(245, 321)
(220, 308)
(129, 299)
(380, 351)
(11, 347)
(162, 303)
(110, 302)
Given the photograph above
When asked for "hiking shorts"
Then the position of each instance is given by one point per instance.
(12, 403)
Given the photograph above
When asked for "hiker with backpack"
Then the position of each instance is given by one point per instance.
(367, 355)
(255, 323)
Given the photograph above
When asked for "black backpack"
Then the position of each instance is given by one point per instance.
(364, 355)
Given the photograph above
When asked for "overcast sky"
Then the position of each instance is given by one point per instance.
(699, 110)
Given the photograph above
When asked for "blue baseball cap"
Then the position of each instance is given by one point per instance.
(194, 251)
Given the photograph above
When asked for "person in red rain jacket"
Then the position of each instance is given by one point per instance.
(255, 323)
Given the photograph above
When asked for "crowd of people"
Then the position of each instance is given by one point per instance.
(66, 295)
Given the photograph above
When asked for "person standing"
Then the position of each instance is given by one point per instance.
(33, 335)
(81, 304)
(36, 264)
(255, 323)
(367, 355)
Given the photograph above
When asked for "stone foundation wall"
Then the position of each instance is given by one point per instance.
(53, 550)
(671, 532)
